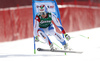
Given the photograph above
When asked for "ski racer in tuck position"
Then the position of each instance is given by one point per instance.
(44, 26)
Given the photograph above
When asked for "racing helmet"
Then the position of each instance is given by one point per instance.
(43, 9)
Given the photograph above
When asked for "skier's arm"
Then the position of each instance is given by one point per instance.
(36, 27)
(56, 21)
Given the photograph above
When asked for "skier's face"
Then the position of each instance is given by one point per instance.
(43, 14)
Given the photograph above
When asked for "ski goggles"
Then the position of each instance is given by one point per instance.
(42, 13)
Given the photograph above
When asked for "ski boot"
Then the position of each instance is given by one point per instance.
(66, 47)
(51, 47)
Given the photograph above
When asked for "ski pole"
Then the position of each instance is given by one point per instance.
(84, 36)
(57, 45)
(53, 43)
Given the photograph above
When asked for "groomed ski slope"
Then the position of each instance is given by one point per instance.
(23, 50)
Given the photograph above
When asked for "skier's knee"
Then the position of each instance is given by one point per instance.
(41, 33)
(40, 29)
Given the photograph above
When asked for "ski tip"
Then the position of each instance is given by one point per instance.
(39, 49)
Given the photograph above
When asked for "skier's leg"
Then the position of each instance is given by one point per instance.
(59, 38)
(57, 35)
(42, 34)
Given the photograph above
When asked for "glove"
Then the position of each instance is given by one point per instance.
(67, 36)
(37, 39)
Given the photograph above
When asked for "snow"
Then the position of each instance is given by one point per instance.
(23, 50)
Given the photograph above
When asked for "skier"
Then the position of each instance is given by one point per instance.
(44, 26)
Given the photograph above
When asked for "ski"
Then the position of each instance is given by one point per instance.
(63, 51)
